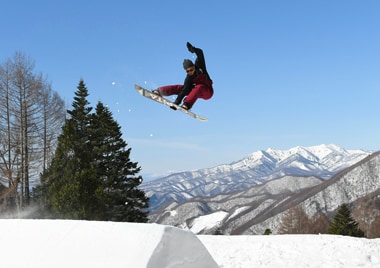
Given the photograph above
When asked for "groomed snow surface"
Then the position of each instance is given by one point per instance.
(60, 243)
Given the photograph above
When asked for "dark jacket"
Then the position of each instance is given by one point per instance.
(200, 75)
(200, 63)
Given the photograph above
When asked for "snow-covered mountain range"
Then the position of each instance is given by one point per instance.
(261, 207)
(322, 162)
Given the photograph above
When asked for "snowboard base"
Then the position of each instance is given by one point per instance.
(148, 94)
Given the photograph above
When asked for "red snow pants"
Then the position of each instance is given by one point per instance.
(199, 91)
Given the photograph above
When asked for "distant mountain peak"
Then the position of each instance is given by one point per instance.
(322, 161)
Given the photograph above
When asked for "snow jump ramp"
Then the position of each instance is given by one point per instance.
(66, 243)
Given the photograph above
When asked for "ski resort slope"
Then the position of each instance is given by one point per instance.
(60, 243)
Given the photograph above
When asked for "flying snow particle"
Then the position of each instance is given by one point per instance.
(113, 83)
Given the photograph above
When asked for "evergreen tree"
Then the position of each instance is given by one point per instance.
(91, 176)
(80, 118)
(267, 231)
(122, 200)
(69, 186)
(344, 224)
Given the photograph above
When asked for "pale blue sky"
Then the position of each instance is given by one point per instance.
(286, 72)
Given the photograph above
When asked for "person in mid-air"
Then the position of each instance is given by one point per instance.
(198, 83)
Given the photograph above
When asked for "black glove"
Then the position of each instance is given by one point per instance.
(190, 47)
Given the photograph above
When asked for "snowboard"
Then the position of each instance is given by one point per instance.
(148, 94)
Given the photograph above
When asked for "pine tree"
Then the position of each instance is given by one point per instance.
(69, 186)
(91, 176)
(267, 231)
(123, 200)
(80, 118)
(344, 224)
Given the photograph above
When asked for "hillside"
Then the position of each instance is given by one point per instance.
(253, 210)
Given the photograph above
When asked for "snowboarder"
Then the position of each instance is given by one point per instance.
(198, 83)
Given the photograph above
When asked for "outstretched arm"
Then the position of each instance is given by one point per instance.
(200, 61)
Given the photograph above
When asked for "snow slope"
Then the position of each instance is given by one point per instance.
(293, 251)
(59, 243)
